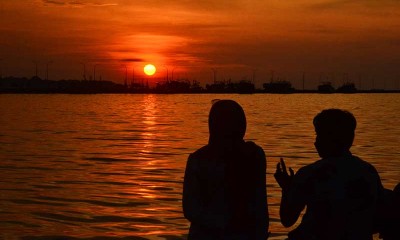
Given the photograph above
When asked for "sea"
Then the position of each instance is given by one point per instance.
(111, 166)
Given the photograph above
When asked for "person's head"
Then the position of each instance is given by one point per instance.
(226, 122)
(335, 132)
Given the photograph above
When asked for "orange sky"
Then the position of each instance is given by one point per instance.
(324, 38)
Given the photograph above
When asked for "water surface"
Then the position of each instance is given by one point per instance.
(87, 166)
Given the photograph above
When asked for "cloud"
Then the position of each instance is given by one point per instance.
(75, 3)
(54, 2)
(131, 60)
(339, 4)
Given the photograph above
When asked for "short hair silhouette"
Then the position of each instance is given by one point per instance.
(340, 192)
(335, 131)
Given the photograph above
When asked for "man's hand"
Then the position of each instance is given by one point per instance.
(281, 175)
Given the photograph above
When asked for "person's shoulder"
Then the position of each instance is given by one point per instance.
(365, 165)
(362, 161)
(253, 147)
(194, 158)
(201, 152)
(310, 168)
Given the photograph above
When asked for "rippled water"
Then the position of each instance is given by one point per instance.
(85, 166)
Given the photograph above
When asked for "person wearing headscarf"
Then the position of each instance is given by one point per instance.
(224, 192)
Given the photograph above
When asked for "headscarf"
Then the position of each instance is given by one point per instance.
(227, 123)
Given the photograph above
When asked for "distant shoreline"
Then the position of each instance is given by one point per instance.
(35, 85)
(222, 93)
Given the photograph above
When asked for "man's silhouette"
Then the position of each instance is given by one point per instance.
(340, 191)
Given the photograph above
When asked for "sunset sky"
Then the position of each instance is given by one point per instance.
(323, 38)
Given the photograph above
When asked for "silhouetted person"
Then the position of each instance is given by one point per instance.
(341, 191)
(388, 215)
(224, 193)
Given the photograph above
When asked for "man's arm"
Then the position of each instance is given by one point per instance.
(292, 201)
(290, 208)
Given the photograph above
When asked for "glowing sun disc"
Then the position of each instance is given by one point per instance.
(149, 69)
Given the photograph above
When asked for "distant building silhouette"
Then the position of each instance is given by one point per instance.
(279, 86)
(347, 87)
(37, 85)
(326, 87)
(243, 86)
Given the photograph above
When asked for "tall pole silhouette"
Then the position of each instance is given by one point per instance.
(373, 83)
(166, 68)
(272, 75)
(172, 74)
(133, 76)
(84, 71)
(333, 80)
(304, 79)
(345, 78)
(215, 74)
(94, 71)
(126, 76)
(1, 69)
(47, 69)
(254, 75)
(36, 68)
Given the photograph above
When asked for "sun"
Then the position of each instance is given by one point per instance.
(149, 69)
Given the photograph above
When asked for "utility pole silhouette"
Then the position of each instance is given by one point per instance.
(36, 68)
(215, 74)
(398, 82)
(133, 76)
(373, 83)
(94, 72)
(172, 75)
(166, 68)
(272, 75)
(1, 69)
(84, 71)
(345, 78)
(254, 76)
(303, 79)
(126, 76)
(47, 69)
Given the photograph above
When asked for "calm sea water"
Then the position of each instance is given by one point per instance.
(89, 166)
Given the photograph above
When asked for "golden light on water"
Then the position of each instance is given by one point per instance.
(149, 69)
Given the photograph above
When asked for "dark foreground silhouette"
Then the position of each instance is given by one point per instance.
(224, 195)
(341, 191)
(388, 215)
